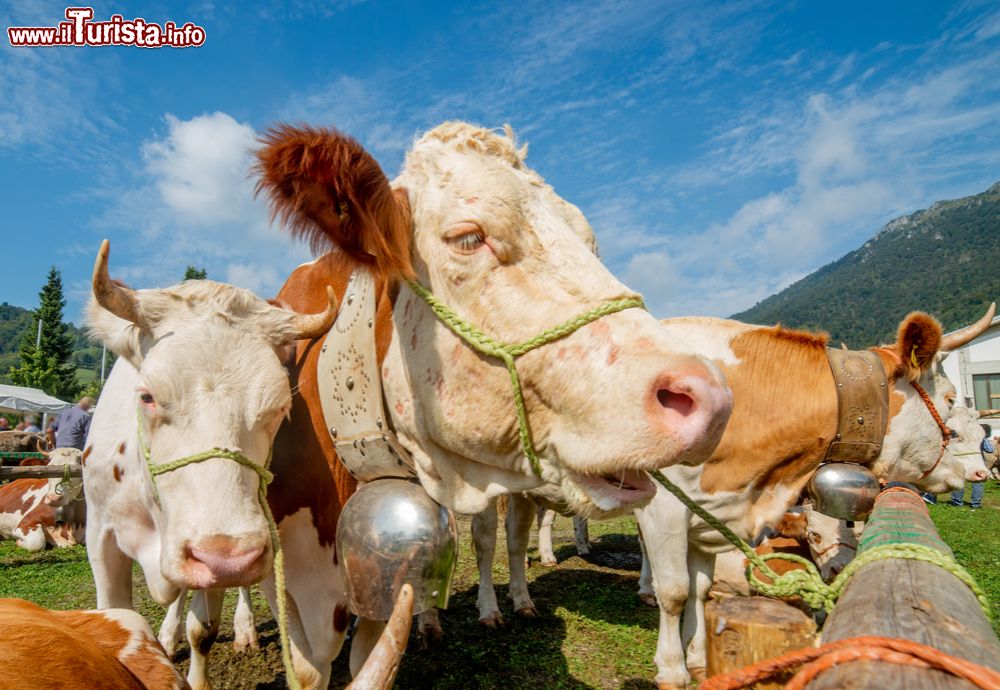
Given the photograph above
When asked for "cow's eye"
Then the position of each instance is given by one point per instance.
(147, 398)
(469, 242)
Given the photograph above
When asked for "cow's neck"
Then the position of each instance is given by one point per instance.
(308, 474)
(784, 418)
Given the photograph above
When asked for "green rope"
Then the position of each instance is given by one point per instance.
(266, 477)
(808, 584)
(486, 345)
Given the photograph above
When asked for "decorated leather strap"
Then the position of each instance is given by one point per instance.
(862, 406)
(350, 389)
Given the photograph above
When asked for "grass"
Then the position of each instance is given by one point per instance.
(591, 631)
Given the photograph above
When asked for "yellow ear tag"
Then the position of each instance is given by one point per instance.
(913, 356)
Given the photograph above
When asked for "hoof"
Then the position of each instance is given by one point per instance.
(671, 686)
(549, 564)
(583, 552)
(431, 636)
(241, 645)
(698, 674)
(527, 612)
(648, 599)
(492, 620)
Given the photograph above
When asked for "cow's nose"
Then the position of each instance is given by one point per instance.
(224, 562)
(691, 403)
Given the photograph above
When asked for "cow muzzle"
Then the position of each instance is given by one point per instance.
(224, 562)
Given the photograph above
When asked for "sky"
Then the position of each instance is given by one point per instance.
(720, 150)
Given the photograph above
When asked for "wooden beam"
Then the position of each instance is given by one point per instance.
(907, 599)
(40, 472)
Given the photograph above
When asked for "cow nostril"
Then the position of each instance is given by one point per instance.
(681, 403)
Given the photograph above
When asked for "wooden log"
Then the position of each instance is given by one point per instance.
(907, 599)
(744, 630)
(40, 472)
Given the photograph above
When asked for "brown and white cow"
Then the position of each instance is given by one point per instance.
(482, 231)
(21, 442)
(40, 512)
(80, 650)
(784, 418)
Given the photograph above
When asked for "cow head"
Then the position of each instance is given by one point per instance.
(967, 436)
(63, 491)
(490, 239)
(912, 449)
(209, 375)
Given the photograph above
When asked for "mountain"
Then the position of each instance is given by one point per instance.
(15, 321)
(944, 260)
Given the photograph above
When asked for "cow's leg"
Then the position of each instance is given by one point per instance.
(701, 568)
(318, 615)
(520, 515)
(171, 630)
(244, 625)
(646, 594)
(363, 641)
(581, 535)
(484, 539)
(202, 629)
(30, 540)
(545, 519)
(429, 625)
(664, 528)
(112, 569)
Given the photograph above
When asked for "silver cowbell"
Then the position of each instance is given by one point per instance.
(844, 490)
(391, 532)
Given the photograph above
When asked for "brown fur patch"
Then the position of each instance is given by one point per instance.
(805, 338)
(80, 649)
(326, 188)
(341, 617)
(86, 454)
(784, 412)
(121, 448)
(12, 495)
(118, 472)
(792, 526)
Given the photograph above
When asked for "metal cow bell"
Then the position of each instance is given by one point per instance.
(843, 490)
(391, 532)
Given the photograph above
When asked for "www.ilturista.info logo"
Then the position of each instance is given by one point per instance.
(79, 30)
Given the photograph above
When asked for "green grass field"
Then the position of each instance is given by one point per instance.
(591, 631)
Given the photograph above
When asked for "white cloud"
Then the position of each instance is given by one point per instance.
(195, 206)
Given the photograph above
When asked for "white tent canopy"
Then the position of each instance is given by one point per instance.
(20, 399)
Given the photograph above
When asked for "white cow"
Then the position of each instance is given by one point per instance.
(479, 229)
(200, 368)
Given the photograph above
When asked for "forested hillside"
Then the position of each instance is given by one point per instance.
(15, 322)
(944, 260)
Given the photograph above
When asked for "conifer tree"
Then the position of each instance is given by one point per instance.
(49, 366)
(193, 273)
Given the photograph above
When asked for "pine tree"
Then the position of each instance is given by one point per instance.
(193, 273)
(50, 366)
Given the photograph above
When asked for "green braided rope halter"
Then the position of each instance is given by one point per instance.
(808, 584)
(266, 477)
(486, 345)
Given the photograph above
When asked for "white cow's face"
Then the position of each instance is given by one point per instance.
(61, 493)
(210, 375)
(832, 543)
(497, 245)
(967, 436)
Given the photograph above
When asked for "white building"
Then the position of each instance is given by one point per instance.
(975, 371)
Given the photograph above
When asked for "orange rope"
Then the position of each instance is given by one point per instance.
(865, 648)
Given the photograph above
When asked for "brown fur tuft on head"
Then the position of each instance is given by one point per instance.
(324, 187)
(793, 526)
(806, 338)
(917, 343)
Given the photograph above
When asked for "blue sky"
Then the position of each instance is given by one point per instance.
(720, 150)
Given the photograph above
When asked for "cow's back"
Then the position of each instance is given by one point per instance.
(79, 649)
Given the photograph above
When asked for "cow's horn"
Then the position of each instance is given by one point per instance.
(309, 326)
(382, 664)
(117, 299)
(955, 340)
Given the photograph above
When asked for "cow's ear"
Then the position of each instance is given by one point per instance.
(326, 188)
(122, 337)
(917, 343)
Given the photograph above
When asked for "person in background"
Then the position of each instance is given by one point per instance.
(978, 488)
(73, 425)
(31, 424)
(4, 424)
